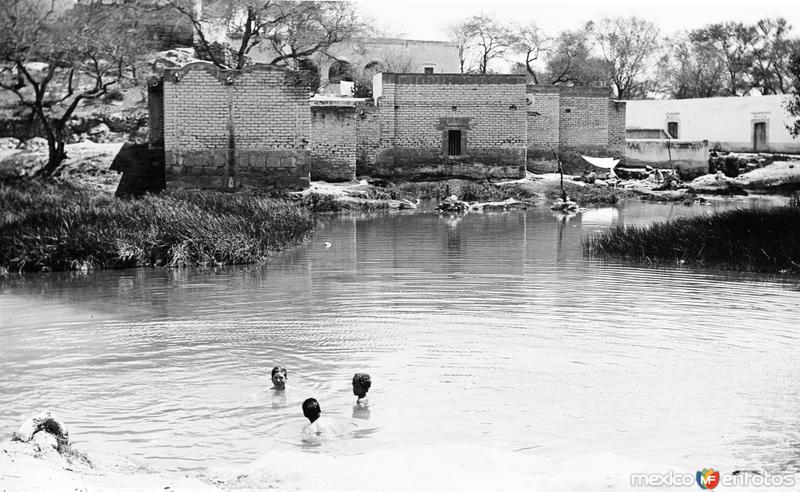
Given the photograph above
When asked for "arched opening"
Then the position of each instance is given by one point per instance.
(340, 70)
(372, 68)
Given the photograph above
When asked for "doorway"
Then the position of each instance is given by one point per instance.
(760, 136)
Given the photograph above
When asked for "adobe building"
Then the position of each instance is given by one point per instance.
(448, 125)
(228, 129)
(259, 128)
(738, 124)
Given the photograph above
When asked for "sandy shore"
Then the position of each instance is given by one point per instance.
(32, 467)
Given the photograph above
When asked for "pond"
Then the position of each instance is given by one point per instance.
(482, 332)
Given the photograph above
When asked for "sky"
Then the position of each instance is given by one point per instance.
(419, 19)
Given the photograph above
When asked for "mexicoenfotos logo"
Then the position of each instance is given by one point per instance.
(707, 478)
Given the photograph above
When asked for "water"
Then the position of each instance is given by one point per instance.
(483, 332)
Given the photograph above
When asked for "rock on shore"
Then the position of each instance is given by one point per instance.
(39, 456)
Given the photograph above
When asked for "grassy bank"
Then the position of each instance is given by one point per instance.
(753, 240)
(590, 194)
(55, 226)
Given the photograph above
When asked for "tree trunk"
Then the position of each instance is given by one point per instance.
(55, 155)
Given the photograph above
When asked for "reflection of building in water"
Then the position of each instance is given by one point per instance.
(605, 216)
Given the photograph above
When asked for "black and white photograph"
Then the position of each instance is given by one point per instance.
(380, 245)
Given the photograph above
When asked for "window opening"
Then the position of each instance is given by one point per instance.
(454, 142)
(428, 69)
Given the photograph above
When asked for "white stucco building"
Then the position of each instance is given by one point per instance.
(743, 124)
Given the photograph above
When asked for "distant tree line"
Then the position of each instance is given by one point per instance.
(630, 55)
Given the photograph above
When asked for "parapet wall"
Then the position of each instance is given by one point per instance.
(227, 129)
(688, 157)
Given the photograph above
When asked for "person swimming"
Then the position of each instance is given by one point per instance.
(318, 426)
(361, 384)
(279, 377)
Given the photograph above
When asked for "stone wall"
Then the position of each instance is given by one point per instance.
(418, 111)
(688, 157)
(226, 129)
(333, 142)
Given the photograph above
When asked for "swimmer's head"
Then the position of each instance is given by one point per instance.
(279, 377)
(361, 384)
(311, 409)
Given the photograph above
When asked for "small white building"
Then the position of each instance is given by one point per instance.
(741, 124)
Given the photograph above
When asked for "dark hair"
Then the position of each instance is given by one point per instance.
(363, 380)
(311, 409)
(277, 369)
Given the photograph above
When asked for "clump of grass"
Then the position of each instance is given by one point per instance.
(48, 226)
(588, 195)
(323, 203)
(752, 240)
(424, 190)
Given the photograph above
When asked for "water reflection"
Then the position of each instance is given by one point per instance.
(488, 329)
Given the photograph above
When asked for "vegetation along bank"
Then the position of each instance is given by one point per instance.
(750, 240)
(48, 225)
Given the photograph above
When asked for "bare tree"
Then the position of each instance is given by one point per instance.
(691, 69)
(459, 34)
(530, 41)
(733, 43)
(772, 49)
(490, 39)
(570, 61)
(290, 31)
(628, 45)
(53, 61)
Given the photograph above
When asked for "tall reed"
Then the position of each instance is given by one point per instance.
(764, 240)
(54, 226)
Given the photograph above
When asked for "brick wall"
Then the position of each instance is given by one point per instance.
(574, 120)
(333, 142)
(232, 129)
(543, 127)
(368, 136)
(417, 111)
(616, 130)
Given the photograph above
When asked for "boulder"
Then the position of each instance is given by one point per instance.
(631, 172)
(99, 133)
(407, 205)
(9, 143)
(46, 423)
(35, 144)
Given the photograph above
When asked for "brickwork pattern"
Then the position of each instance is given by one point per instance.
(616, 129)
(368, 136)
(583, 122)
(231, 129)
(543, 121)
(413, 108)
(333, 143)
